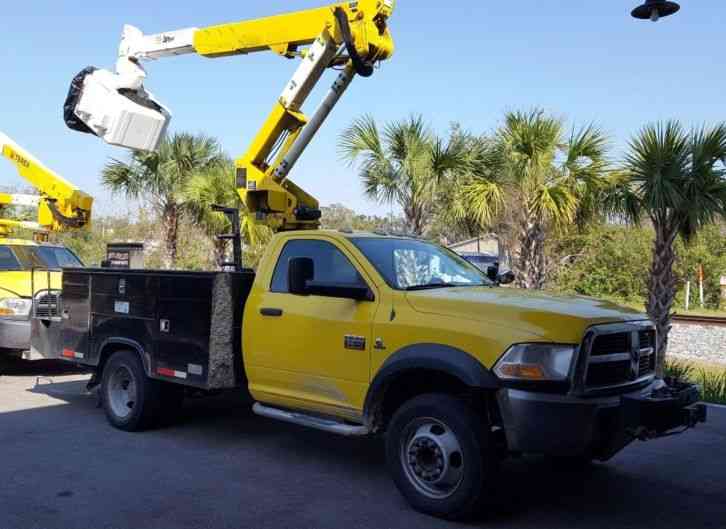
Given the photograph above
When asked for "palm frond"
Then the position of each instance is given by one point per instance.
(484, 198)
(657, 160)
(557, 204)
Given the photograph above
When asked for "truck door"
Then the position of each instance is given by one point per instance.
(311, 351)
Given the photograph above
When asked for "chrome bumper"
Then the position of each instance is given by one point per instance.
(14, 334)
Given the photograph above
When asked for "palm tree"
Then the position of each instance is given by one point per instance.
(464, 208)
(216, 186)
(205, 189)
(159, 179)
(678, 181)
(539, 180)
(400, 165)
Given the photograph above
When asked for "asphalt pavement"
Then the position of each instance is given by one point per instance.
(63, 466)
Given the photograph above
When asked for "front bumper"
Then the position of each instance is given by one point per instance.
(14, 334)
(598, 427)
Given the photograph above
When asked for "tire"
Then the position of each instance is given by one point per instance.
(441, 457)
(132, 401)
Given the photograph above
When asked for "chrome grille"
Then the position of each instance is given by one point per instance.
(46, 305)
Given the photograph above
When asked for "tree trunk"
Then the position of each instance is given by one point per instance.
(414, 220)
(530, 263)
(662, 290)
(171, 225)
(220, 252)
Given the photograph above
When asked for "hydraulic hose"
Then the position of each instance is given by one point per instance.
(362, 67)
(70, 222)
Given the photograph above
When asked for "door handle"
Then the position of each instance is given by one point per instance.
(267, 311)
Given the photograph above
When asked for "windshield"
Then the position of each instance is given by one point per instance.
(45, 257)
(8, 261)
(408, 264)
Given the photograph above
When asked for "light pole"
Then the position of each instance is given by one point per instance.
(654, 10)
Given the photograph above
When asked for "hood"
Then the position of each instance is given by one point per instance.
(22, 283)
(551, 316)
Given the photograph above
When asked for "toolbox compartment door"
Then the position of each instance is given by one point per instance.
(76, 316)
(182, 333)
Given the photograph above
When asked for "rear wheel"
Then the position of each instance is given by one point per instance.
(440, 456)
(130, 399)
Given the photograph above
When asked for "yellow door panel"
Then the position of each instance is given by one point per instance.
(323, 395)
(312, 348)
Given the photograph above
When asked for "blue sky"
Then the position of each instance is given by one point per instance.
(456, 61)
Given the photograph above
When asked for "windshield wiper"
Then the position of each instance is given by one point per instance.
(433, 285)
(427, 286)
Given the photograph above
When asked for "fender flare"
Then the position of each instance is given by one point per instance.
(126, 342)
(433, 357)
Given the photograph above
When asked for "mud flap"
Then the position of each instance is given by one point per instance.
(45, 339)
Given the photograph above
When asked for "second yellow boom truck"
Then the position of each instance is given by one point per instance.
(30, 268)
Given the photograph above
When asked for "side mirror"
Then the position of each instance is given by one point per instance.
(493, 272)
(300, 270)
(505, 278)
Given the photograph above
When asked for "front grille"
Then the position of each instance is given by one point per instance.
(646, 364)
(46, 305)
(612, 360)
(647, 338)
(606, 344)
(608, 374)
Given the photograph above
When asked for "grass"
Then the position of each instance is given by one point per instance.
(710, 377)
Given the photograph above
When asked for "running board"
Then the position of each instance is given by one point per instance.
(326, 425)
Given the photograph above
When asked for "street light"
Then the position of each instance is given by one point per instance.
(655, 10)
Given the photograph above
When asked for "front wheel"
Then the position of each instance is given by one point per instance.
(440, 455)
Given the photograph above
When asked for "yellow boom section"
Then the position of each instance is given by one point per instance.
(261, 172)
(352, 37)
(285, 33)
(61, 205)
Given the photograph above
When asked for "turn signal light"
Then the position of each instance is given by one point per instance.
(522, 371)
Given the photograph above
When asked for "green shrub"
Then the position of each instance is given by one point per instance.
(679, 369)
(713, 385)
(605, 262)
(613, 261)
(712, 381)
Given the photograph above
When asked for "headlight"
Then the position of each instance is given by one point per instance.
(535, 362)
(15, 307)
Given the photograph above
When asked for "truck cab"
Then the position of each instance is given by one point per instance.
(28, 269)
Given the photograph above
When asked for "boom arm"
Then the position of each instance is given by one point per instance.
(352, 35)
(61, 206)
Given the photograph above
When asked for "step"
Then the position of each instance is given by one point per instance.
(311, 421)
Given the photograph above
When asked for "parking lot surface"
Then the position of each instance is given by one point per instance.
(63, 466)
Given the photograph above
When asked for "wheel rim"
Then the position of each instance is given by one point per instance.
(122, 392)
(432, 458)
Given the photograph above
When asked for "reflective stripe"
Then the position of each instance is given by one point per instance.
(67, 353)
(165, 371)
